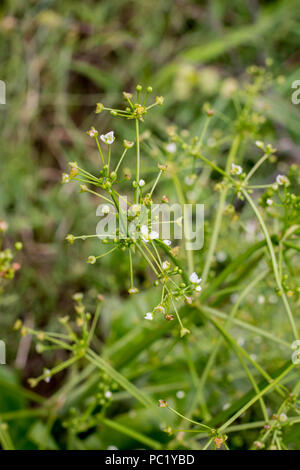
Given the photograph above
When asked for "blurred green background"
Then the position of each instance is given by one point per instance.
(58, 58)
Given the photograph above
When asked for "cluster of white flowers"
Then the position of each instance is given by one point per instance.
(195, 280)
(152, 235)
(148, 236)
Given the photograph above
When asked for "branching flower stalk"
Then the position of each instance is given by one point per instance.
(144, 238)
(181, 295)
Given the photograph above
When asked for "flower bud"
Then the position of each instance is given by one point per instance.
(128, 144)
(18, 246)
(70, 238)
(159, 100)
(99, 108)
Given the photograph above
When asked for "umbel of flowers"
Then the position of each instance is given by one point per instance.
(145, 242)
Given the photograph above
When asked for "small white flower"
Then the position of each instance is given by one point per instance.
(141, 183)
(180, 394)
(282, 180)
(134, 209)
(226, 406)
(195, 279)
(108, 138)
(159, 309)
(105, 210)
(261, 299)
(145, 233)
(92, 132)
(273, 299)
(259, 144)
(189, 180)
(108, 394)
(148, 316)
(167, 242)
(171, 147)
(269, 202)
(144, 230)
(47, 373)
(65, 178)
(133, 290)
(166, 265)
(221, 256)
(198, 288)
(236, 169)
(283, 417)
(153, 235)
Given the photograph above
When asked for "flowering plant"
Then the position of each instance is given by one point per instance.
(175, 270)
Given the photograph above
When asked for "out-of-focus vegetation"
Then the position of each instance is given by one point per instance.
(58, 58)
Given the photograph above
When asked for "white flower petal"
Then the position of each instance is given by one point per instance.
(108, 138)
(144, 230)
(282, 179)
(236, 169)
(171, 147)
(166, 265)
(154, 235)
(194, 277)
(105, 209)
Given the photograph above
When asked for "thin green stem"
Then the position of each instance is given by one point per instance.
(100, 150)
(137, 189)
(256, 397)
(220, 211)
(274, 262)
